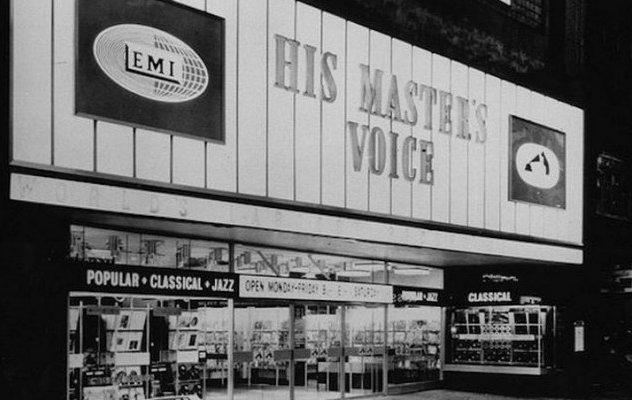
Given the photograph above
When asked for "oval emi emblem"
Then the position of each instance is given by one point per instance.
(537, 165)
(151, 63)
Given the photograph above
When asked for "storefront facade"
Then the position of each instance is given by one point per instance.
(263, 201)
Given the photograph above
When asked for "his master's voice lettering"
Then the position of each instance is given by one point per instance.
(399, 154)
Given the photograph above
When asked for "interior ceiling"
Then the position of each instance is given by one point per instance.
(302, 242)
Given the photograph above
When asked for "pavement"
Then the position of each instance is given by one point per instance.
(454, 395)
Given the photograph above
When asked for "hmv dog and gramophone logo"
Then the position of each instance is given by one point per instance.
(537, 167)
(152, 64)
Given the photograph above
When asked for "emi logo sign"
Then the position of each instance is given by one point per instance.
(151, 64)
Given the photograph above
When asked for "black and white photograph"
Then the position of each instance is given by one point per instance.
(316, 200)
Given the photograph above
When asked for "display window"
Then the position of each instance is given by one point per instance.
(414, 344)
(284, 263)
(502, 336)
(130, 248)
(132, 348)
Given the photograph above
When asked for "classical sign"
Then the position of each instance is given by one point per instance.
(537, 167)
(152, 64)
(413, 104)
(268, 287)
(491, 297)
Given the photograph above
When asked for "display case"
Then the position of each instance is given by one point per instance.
(501, 339)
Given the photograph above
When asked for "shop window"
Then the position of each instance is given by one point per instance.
(414, 340)
(140, 348)
(511, 336)
(285, 263)
(133, 248)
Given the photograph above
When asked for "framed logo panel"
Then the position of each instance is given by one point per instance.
(152, 64)
(537, 164)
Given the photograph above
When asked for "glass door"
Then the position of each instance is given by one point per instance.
(364, 349)
(262, 351)
(317, 352)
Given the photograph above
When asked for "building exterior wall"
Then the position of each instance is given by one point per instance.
(288, 147)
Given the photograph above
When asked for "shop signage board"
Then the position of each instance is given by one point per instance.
(152, 64)
(492, 297)
(123, 279)
(268, 287)
(407, 295)
(537, 164)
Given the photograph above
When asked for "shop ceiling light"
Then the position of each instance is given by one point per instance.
(374, 267)
(300, 270)
(411, 271)
(358, 273)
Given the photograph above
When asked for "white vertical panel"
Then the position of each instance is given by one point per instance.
(115, 149)
(380, 185)
(458, 149)
(538, 212)
(357, 53)
(153, 155)
(73, 136)
(280, 105)
(441, 143)
(307, 132)
(493, 152)
(422, 74)
(252, 89)
(189, 154)
(401, 187)
(31, 58)
(523, 110)
(333, 116)
(550, 215)
(476, 154)
(507, 107)
(574, 122)
(199, 4)
(555, 226)
(188, 162)
(222, 158)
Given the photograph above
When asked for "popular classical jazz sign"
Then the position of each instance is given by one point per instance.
(122, 279)
(152, 64)
(537, 164)
(408, 102)
(268, 287)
